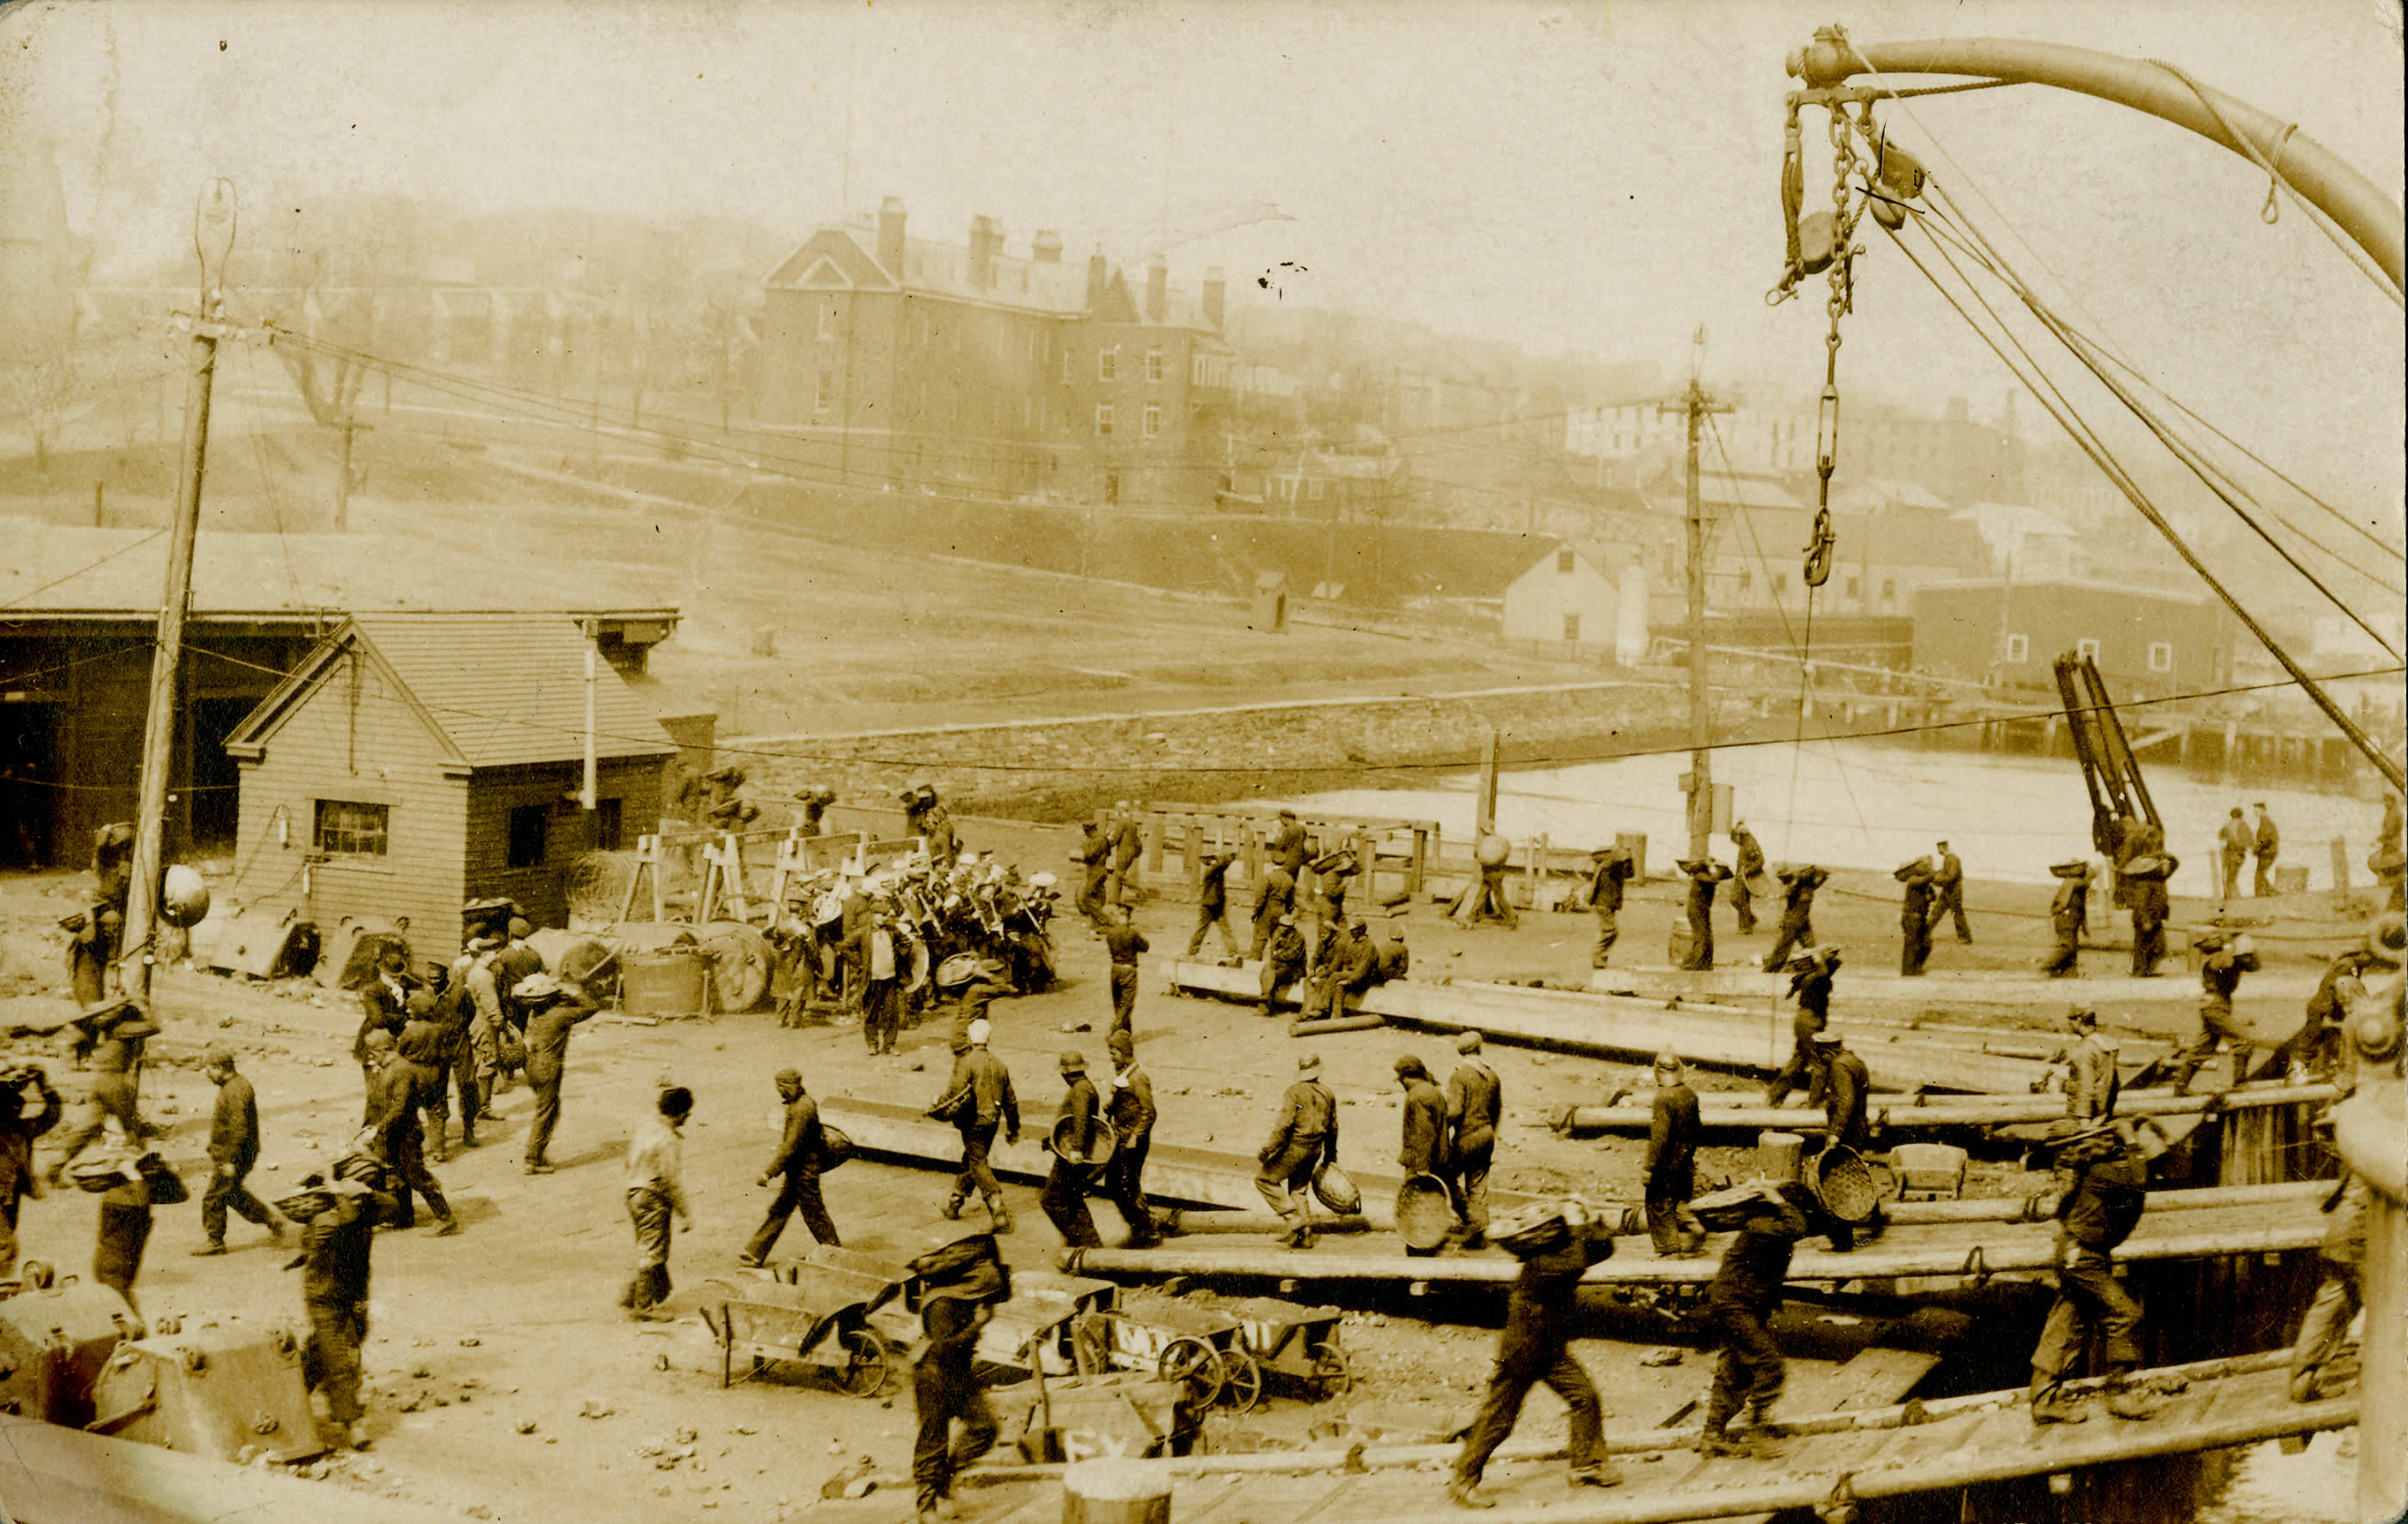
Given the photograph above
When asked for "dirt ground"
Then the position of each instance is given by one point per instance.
(505, 1381)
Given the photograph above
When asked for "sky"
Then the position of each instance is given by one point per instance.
(1599, 178)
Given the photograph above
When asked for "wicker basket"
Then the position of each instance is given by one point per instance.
(1424, 1212)
(1334, 1188)
(1846, 1184)
(1099, 1153)
(1726, 1211)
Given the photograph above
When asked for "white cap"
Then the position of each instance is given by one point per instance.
(978, 1032)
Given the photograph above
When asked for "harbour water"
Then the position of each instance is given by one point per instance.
(1873, 804)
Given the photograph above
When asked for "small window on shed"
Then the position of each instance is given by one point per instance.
(2086, 650)
(609, 833)
(1571, 629)
(529, 824)
(1564, 563)
(2018, 648)
(353, 830)
(2161, 657)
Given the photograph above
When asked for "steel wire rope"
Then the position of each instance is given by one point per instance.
(268, 481)
(1354, 769)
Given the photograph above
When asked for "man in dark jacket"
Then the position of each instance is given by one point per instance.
(1274, 901)
(385, 1000)
(29, 1107)
(1948, 892)
(1703, 875)
(1475, 1106)
(2266, 847)
(234, 1148)
(2066, 914)
(1131, 1110)
(1095, 866)
(2224, 958)
(795, 1168)
(1811, 986)
(2105, 1190)
(1914, 918)
(1123, 942)
(1669, 1173)
(1303, 1138)
(117, 1031)
(1064, 1196)
(1740, 1300)
(1611, 871)
(1422, 1147)
(555, 1007)
(337, 1239)
(944, 1386)
(978, 1100)
(1748, 862)
(1283, 957)
(1213, 904)
(1797, 928)
(1351, 966)
(1557, 1245)
(2145, 867)
(1845, 1087)
(399, 1127)
(1128, 846)
(2340, 1294)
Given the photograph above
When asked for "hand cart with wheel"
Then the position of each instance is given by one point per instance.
(1296, 1345)
(820, 1319)
(1201, 1348)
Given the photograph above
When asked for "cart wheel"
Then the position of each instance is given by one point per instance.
(869, 1370)
(741, 961)
(1241, 1379)
(1331, 1369)
(1091, 1345)
(1194, 1363)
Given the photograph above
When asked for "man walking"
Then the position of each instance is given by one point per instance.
(1797, 928)
(234, 1148)
(978, 1100)
(2091, 1082)
(1475, 1107)
(514, 965)
(409, 1080)
(2226, 958)
(795, 1168)
(1914, 917)
(1704, 873)
(1421, 1148)
(1094, 865)
(1810, 985)
(1556, 1243)
(2267, 846)
(2146, 871)
(2340, 1294)
(1064, 1196)
(1123, 942)
(1669, 1173)
(961, 1285)
(2233, 842)
(654, 1192)
(1610, 872)
(1274, 905)
(339, 1218)
(1948, 892)
(1213, 904)
(1304, 1137)
(556, 1008)
(1132, 1114)
(1740, 1300)
(1748, 866)
(1846, 1087)
(2106, 1188)
(2066, 914)
(117, 1031)
(1128, 848)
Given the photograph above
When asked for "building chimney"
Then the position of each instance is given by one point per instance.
(890, 236)
(1216, 297)
(1098, 276)
(981, 269)
(1157, 290)
(1046, 248)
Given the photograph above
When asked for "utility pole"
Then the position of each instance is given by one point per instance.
(213, 229)
(343, 481)
(1697, 405)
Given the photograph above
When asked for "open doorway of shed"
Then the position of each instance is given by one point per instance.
(217, 797)
(29, 782)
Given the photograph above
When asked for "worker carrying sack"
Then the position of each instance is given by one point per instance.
(967, 1270)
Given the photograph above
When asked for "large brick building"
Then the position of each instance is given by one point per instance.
(906, 364)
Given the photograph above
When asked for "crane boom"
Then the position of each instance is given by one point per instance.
(2118, 797)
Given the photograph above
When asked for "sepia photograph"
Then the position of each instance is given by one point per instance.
(997, 761)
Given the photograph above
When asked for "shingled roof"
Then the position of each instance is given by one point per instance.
(497, 689)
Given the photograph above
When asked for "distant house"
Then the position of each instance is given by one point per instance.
(1583, 601)
(2024, 541)
(412, 762)
(2146, 643)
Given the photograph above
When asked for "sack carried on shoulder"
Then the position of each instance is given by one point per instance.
(836, 1147)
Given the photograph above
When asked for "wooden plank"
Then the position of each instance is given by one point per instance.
(1925, 1113)
(56, 1475)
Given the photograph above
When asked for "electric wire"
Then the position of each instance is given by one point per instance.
(88, 567)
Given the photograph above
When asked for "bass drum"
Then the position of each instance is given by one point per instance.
(958, 969)
(741, 961)
(916, 979)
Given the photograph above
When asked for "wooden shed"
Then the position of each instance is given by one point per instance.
(412, 762)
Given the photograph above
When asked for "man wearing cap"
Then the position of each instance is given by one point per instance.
(1064, 1196)
(1304, 1137)
(1811, 986)
(2233, 839)
(514, 965)
(408, 1077)
(557, 1007)
(2145, 866)
(2266, 845)
(1749, 862)
(1914, 917)
(795, 1168)
(2067, 912)
(1610, 870)
(1703, 874)
(1845, 1087)
(1475, 1106)
(1282, 961)
(1132, 1114)
(1213, 904)
(1350, 967)
(1094, 865)
(1796, 928)
(1128, 846)
(1669, 1173)
(234, 1148)
(1422, 1146)
(2105, 1190)
(882, 988)
(2340, 1294)
(2321, 1047)
(339, 1213)
(1274, 898)
(1556, 1244)
(978, 1100)
(1288, 846)
(1740, 1300)
(2226, 958)
(1948, 891)
(1123, 942)
(1396, 960)
(655, 1191)
(385, 1000)
(2091, 1081)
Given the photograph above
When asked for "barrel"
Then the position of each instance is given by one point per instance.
(672, 982)
(1778, 1154)
(1115, 1491)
